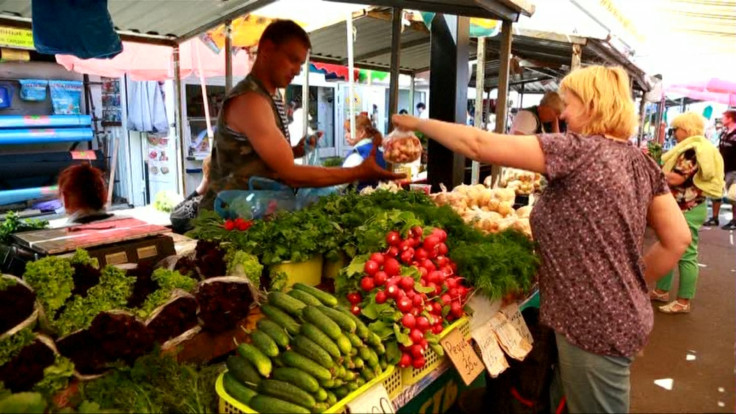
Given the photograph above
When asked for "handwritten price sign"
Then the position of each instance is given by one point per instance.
(373, 401)
(462, 356)
(491, 353)
(509, 338)
(514, 315)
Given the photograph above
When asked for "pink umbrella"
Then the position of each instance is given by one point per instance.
(156, 63)
(713, 90)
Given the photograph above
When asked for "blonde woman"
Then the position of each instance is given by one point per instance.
(589, 224)
(694, 171)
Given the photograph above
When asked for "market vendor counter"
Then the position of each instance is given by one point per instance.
(146, 214)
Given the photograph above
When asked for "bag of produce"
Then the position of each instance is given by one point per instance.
(401, 147)
(18, 307)
(173, 318)
(224, 301)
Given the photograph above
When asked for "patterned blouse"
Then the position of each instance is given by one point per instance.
(687, 194)
(589, 224)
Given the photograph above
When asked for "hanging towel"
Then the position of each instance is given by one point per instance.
(82, 28)
(146, 108)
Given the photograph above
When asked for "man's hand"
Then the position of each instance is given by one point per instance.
(299, 150)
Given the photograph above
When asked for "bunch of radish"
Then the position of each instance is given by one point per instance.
(428, 300)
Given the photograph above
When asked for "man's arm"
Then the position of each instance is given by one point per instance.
(269, 142)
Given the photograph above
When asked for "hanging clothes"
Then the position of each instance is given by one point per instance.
(82, 28)
(147, 108)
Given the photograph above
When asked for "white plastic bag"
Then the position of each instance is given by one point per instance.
(401, 147)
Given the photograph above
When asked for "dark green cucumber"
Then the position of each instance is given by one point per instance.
(374, 340)
(276, 332)
(320, 395)
(323, 296)
(266, 405)
(352, 386)
(281, 318)
(380, 348)
(369, 356)
(361, 329)
(304, 297)
(331, 398)
(295, 360)
(344, 345)
(286, 303)
(359, 363)
(297, 377)
(330, 383)
(237, 389)
(317, 317)
(257, 358)
(320, 407)
(354, 340)
(366, 373)
(287, 392)
(243, 370)
(345, 322)
(264, 343)
(341, 392)
(312, 332)
(311, 350)
(360, 381)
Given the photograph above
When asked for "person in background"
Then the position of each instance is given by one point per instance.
(589, 227)
(252, 137)
(543, 118)
(422, 110)
(403, 112)
(84, 194)
(727, 146)
(366, 139)
(188, 209)
(694, 170)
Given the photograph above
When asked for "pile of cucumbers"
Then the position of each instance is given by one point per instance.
(304, 356)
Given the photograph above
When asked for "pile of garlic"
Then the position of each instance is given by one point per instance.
(522, 182)
(389, 186)
(490, 210)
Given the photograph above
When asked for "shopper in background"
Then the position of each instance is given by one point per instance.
(543, 118)
(422, 110)
(727, 146)
(252, 137)
(188, 209)
(366, 138)
(589, 225)
(694, 170)
(83, 191)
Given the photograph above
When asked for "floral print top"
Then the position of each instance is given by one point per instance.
(687, 194)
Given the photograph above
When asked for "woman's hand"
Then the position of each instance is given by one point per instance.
(406, 122)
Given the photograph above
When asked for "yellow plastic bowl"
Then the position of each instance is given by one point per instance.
(308, 272)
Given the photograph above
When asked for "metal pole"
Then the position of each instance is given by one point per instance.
(412, 90)
(228, 56)
(660, 119)
(577, 53)
(179, 122)
(480, 75)
(393, 94)
(503, 90)
(642, 115)
(351, 75)
(521, 96)
(305, 97)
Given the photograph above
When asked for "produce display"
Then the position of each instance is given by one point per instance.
(17, 302)
(401, 147)
(522, 182)
(307, 354)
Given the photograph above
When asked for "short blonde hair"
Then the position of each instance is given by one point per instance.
(691, 122)
(606, 97)
(554, 101)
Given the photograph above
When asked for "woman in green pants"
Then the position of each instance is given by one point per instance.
(694, 171)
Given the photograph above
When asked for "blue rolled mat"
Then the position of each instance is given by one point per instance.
(25, 194)
(44, 121)
(44, 136)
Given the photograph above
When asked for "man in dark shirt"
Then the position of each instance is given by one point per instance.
(727, 146)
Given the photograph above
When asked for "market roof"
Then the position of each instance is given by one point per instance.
(490, 9)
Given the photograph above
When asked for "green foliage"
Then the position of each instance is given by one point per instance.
(22, 403)
(6, 282)
(655, 151)
(168, 280)
(13, 224)
(111, 293)
(278, 280)
(332, 162)
(240, 263)
(82, 257)
(12, 345)
(55, 377)
(156, 383)
(209, 226)
(52, 280)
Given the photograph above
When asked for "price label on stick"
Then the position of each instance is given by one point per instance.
(509, 338)
(517, 320)
(373, 401)
(462, 356)
(491, 353)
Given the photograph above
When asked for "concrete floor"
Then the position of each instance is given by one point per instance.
(695, 351)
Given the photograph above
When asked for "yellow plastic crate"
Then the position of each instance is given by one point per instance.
(228, 405)
(411, 375)
(308, 272)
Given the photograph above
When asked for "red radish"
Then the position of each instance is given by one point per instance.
(355, 310)
(451, 282)
(441, 261)
(409, 321)
(370, 267)
(454, 293)
(463, 291)
(418, 363)
(391, 266)
(447, 270)
(422, 323)
(229, 225)
(417, 301)
(432, 285)
(423, 272)
(431, 242)
(404, 304)
(407, 256)
(453, 266)
(392, 291)
(417, 231)
(416, 351)
(423, 281)
(446, 298)
(429, 265)
(393, 238)
(435, 277)
(367, 283)
(406, 245)
(416, 336)
(424, 343)
(354, 298)
(441, 234)
(380, 278)
(438, 289)
(436, 308)
(437, 329)
(442, 249)
(407, 283)
(378, 258)
(381, 297)
(415, 311)
(392, 251)
(421, 254)
(405, 361)
(456, 309)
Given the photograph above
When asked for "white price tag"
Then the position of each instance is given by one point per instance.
(490, 352)
(509, 338)
(374, 401)
(517, 319)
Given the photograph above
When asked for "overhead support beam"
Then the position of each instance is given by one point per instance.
(387, 16)
(489, 9)
(228, 56)
(577, 56)
(503, 91)
(179, 115)
(480, 76)
(386, 50)
(393, 90)
(448, 94)
(338, 61)
(240, 11)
